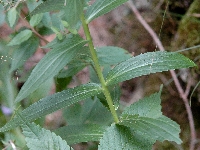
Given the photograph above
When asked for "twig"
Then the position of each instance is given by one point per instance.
(188, 87)
(173, 74)
(34, 31)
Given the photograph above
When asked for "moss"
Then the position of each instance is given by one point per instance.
(188, 33)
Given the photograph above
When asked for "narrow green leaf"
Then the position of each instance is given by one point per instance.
(51, 64)
(12, 16)
(101, 7)
(38, 138)
(49, 5)
(81, 60)
(23, 52)
(20, 37)
(52, 103)
(72, 69)
(161, 128)
(147, 63)
(35, 19)
(42, 91)
(110, 55)
(81, 133)
(119, 137)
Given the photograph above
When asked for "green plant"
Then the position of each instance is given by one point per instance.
(99, 117)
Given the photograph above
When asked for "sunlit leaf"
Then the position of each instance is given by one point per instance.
(147, 63)
(52, 103)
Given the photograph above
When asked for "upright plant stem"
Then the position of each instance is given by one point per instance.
(98, 68)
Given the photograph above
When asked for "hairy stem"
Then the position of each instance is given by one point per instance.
(98, 68)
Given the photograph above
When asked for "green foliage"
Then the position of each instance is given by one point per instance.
(23, 52)
(120, 137)
(12, 16)
(47, 6)
(88, 113)
(110, 55)
(101, 7)
(52, 103)
(35, 19)
(147, 63)
(2, 15)
(20, 37)
(43, 139)
(81, 133)
(91, 111)
(145, 118)
(51, 64)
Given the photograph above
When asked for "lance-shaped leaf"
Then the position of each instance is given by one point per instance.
(52, 103)
(145, 118)
(42, 139)
(101, 7)
(119, 137)
(51, 64)
(81, 133)
(147, 63)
